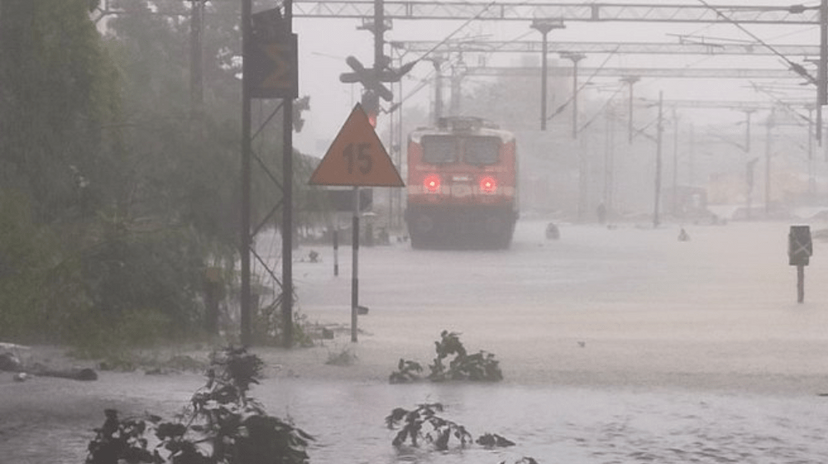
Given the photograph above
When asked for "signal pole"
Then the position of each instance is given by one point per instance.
(379, 37)
(287, 201)
(246, 239)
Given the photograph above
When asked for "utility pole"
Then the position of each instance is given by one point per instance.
(822, 73)
(749, 166)
(437, 61)
(544, 26)
(660, 129)
(458, 72)
(768, 151)
(575, 58)
(609, 162)
(811, 129)
(630, 80)
(691, 168)
(675, 162)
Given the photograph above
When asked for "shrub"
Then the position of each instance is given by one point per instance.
(481, 366)
(222, 425)
(423, 424)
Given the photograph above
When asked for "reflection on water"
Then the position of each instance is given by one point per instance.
(555, 425)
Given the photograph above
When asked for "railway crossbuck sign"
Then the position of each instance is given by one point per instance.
(356, 157)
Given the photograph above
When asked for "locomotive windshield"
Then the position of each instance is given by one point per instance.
(481, 150)
(439, 149)
(444, 149)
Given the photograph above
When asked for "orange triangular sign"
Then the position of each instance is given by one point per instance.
(356, 157)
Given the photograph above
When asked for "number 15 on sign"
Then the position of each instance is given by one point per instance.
(358, 157)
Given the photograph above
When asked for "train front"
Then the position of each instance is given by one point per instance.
(462, 185)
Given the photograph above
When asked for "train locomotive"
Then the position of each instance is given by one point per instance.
(462, 185)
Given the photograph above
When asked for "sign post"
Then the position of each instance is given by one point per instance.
(355, 266)
(800, 249)
(356, 158)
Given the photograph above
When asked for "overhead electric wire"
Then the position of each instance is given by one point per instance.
(601, 110)
(779, 102)
(462, 26)
(796, 67)
(581, 87)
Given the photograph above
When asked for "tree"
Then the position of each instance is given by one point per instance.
(124, 199)
(57, 90)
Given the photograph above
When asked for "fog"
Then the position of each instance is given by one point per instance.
(618, 341)
(714, 130)
(324, 44)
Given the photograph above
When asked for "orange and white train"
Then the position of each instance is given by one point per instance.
(462, 185)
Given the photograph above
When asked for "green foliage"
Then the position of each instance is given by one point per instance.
(57, 89)
(407, 371)
(423, 424)
(117, 227)
(481, 366)
(223, 425)
(117, 194)
(24, 255)
(268, 326)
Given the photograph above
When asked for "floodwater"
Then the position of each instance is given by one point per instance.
(553, 424)
(617, 346)
(564, 425)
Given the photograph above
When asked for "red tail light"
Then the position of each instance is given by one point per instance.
(432, 183)
(488, 184)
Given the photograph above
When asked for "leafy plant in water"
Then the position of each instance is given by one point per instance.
(493, 440)
(407, 371)
(523, 460)
(223, 425)
(423, 424)
(269, 326)
(481, 366)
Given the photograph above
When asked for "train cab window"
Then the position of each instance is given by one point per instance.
(438, 149)
(481, 150)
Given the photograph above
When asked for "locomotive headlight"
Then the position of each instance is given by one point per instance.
(488, 184)
(432, 183)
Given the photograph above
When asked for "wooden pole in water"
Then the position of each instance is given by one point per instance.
(800, 283)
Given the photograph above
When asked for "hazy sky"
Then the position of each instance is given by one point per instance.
(325, 43)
